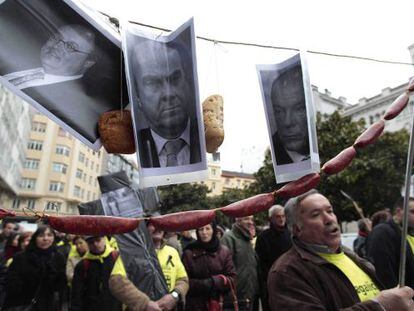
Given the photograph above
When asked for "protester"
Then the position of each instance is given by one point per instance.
(211, 271)
(380, 217)
(171, 239)
(172, 268)
(81, 248)
(359, 245)
(384, 244)
(318, 274)
(24, 240)
(8, 228)
(11, 246)
(37, 275)
(238, 240)
(271, 244)
(186, 239)
(90, 284)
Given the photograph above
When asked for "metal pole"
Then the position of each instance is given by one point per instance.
(406, 200)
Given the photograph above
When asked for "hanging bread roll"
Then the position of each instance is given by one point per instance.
(116, 131)
(213, 122)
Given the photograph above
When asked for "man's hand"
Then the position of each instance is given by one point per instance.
(153, 306)
(167, 302)
(400, 299)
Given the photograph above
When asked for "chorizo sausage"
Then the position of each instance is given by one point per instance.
(5, 213)
(341, 161)
(250, 206)
(300, 186)
(183, 221)
(370, 135)
(92, 224)
(396, 107)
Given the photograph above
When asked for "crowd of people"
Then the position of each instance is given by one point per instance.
(297, 262)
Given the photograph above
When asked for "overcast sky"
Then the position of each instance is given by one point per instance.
(374, 29)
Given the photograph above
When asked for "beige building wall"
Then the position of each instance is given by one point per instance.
(236, 180)
(59, 171)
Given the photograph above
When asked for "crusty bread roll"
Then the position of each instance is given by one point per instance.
(116, 131)
(213, 122)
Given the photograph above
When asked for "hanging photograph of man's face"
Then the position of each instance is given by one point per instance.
(163, 87)
(287, 98)
(60, 60)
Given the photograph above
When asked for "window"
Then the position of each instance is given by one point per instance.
(86, 162)
(82, 193)
(88, 196)
(59, 167)
(62, 132)
(64, 150)
(53, 206)
(55, 186)
(371, 119)
(28, 183)
(35, 145)
(39, 127)
(227, 181)
(92, 165)
(31, 203)
(84, 177)
(213, 171)
(81, 157)
(31, 164)
(94, 196)
(90, 180)
(79, 173)
(77, 191)
(97, 168)
(16, 203)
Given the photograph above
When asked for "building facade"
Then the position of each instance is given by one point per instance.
(14, 132)
(59, 172)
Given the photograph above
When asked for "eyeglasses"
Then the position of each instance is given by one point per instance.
(69, 46)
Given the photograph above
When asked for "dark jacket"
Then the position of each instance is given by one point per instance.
(148, 151)
(245, 261)
(270, 245)
(203, 269)
(383, 250)
(302, 280)
(32, 273)
(90, 284)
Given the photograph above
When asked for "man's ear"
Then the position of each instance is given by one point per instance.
(296, 230)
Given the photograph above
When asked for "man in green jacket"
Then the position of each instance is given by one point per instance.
(239, 241)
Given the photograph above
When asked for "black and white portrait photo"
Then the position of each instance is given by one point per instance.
(290, 116)
(61, 63)
(163, 86)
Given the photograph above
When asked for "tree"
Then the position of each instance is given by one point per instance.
(183, 197)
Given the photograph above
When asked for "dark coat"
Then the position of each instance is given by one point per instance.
(90, 288)
(270, 245)
(245, 261)
(383, 250)
(29, 274)
(148, 151)
(302, 280)
(202, 268)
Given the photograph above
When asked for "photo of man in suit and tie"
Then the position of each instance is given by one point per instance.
(166, 99)
(291, 140)
(65, 56)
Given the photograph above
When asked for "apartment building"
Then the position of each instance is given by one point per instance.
(59, 171)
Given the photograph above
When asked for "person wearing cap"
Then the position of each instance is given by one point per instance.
(317, 273)
(90, 284)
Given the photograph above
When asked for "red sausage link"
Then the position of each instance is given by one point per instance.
(396, 107)
(341, 161)
(6, 213)
(92, 224)
(250, 206)
(183, 221)
(410, 86)
(370, 135)
(300, 186)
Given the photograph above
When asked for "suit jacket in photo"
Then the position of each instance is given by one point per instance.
(148, 151)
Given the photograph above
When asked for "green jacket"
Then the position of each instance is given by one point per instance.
(245, 261)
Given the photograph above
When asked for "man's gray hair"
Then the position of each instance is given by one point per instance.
(274, 209)
(292, 208)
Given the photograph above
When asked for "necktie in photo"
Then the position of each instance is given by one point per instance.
(38, 74)
(172, 148)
